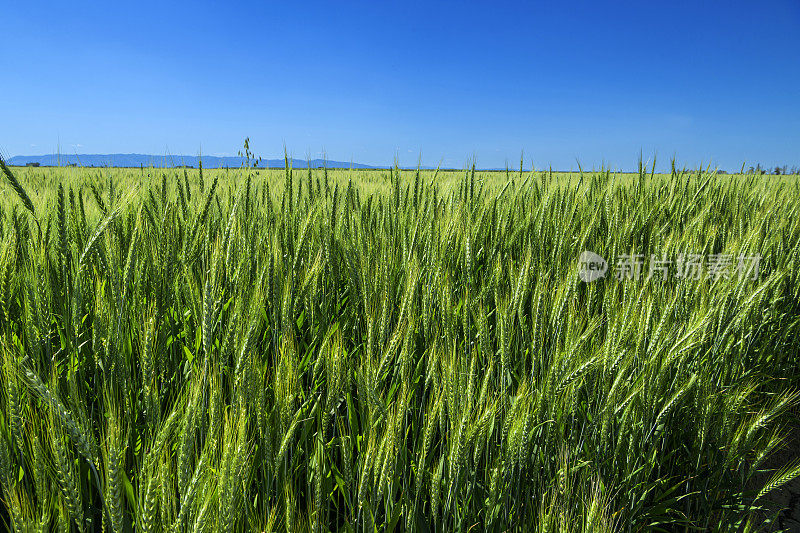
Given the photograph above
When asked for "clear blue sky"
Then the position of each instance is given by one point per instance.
(714, 82)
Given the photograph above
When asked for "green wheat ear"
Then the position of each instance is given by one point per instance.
(26, 201)
(780, 478)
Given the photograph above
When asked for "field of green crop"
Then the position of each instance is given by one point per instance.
(382, 350)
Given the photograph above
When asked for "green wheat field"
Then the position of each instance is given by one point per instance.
(271, 350)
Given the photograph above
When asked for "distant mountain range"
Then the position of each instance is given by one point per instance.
(160, 161)
(209, 161)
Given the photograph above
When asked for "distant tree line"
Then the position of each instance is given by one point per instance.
(778, 170)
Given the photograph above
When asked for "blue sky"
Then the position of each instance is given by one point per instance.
(711, 82)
